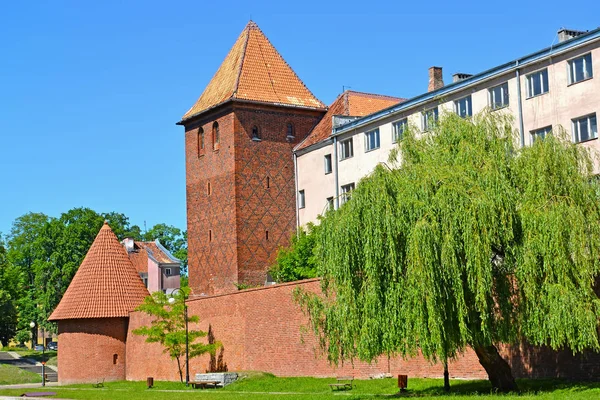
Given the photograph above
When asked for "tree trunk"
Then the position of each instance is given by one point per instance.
(179, 368)
(446, 377)
(498, 370)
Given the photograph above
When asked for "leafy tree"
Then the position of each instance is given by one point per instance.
(469, 241)
(168, 327)
(9, 279)
(297, 261)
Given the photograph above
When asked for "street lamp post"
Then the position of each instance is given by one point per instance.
(187, 349)
(32, 325)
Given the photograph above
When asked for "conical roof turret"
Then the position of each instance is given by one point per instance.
(106, 285)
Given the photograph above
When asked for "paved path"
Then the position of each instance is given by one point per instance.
(12, 358)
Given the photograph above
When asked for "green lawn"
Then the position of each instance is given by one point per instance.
(259, 386)
(48, 355)
(12, 375)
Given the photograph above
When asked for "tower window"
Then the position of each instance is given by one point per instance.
(210, 235)
(208, 189)
(200, 142)
(115, 358)
(255, 134)
(268, 182)
(216, 136)
(266, 235)
(290, 133)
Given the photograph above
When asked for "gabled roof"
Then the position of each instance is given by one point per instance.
(349, 103)
(254, 71)
(143, 250)
(106, 285)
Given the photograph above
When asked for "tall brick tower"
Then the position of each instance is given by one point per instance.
(239, 137)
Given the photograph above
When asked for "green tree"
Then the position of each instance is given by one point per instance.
(469, 241)
(9, 279)
(168, 327)
(297, 261)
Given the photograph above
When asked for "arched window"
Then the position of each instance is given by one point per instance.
(216, 136)
(290, 131)
(255, 133)
(200, 141)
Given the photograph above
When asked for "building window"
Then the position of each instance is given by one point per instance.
(168, 271)
(498, 96)
(463, 107)
(255, 134)
(268, 182)
(540, 134)
(301, 199)
(328, 166)
(208, 188)
(429, 118)
(216, 136)
(398, 129)
(115, 358)
(290, 131)
(330, 203)
(585, 128)
(210, 235)
(346, 192)
(580, 68)
(372, 140)
(266, 235)
(200, 142)
(346, 149)
(537, 83)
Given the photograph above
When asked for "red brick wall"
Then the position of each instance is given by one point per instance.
(265, 184)
(87, 347)
(261, 329)
(240, 208)
(212, 260)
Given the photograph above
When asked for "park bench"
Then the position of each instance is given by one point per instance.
(38, 394)
(342, 383)
(204, 384)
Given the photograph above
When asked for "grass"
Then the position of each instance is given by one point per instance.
(261, 386)
(12, 375)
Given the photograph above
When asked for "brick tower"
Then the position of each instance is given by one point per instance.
(239, 137)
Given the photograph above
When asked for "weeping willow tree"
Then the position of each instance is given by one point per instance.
(467, 241)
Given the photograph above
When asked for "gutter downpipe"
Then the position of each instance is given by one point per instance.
(335, 174)
(296, 192)
(520, 105)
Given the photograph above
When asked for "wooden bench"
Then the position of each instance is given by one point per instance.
(38, 394)
(342, 383)
(204, 384)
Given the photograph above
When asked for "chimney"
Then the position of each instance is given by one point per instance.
(459, 76)
(128, 243)
(436, 80)
(566, 34)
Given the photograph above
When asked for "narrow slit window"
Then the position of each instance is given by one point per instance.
(290, 131)
(268, 182)
(255, 134)
(208, 189)
(115, 358)
(210, 235)
(216, 136)
(266, 235)
(200, 142)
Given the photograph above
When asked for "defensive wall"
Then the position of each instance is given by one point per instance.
(264, 330)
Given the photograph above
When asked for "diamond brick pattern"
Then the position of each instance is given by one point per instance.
(106, 285)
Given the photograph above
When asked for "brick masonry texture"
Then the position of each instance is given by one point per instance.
(263, 329)
(88, 348)
(252, 192)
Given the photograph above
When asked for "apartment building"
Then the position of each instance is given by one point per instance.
(553, 87)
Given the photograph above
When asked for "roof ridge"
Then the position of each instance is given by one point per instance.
(243, 57)
(367, 94)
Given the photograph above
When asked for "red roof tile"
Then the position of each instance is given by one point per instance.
(106, 284)
(349, 103)
(254, 70)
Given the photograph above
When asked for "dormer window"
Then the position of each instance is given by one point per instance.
(216, 136)
(255, 134)
(290, 133)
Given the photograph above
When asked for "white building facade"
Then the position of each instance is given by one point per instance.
(557, 86)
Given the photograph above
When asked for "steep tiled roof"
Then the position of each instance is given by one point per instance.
(141, 251)
(254, 70)
(349, 103)
(106, 284)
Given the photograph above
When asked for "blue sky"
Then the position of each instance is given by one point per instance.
(90, 91)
